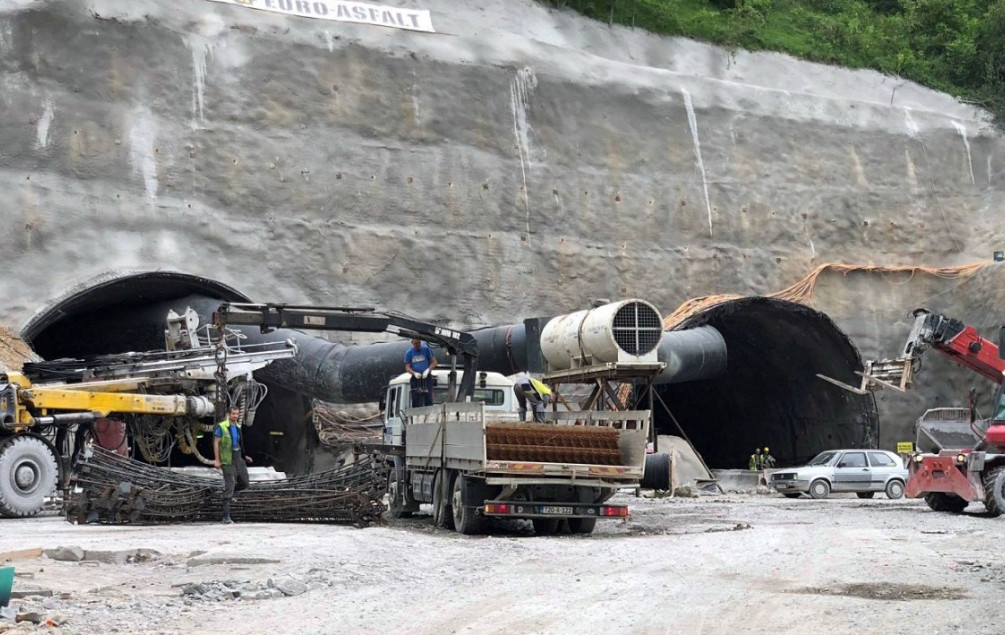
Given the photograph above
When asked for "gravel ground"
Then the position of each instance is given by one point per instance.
(716, 564)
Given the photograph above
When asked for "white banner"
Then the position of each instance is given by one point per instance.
(359, 12)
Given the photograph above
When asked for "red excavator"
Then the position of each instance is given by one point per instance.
(962, 459)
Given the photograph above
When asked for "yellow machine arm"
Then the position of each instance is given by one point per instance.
(23, 405)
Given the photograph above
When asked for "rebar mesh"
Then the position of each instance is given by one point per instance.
(552, 443)
(112, 489)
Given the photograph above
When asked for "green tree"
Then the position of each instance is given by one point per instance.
(943, 33)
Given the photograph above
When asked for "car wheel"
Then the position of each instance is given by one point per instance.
(820, 488)
(791, 494)
(895, 489)
(941, 502)
(865, 494)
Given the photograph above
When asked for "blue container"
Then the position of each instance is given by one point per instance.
(6, 584)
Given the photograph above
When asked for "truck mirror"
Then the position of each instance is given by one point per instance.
(973, 404)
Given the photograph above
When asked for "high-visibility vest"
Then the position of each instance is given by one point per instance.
(539, 386)
(227, 443)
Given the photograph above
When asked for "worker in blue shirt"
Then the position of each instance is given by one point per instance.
(419, 364)
(229, 457)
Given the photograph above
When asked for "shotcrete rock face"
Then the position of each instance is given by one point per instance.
(770, 394)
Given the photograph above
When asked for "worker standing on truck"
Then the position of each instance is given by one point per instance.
(228, 456)
(419, 363)
(528, 389)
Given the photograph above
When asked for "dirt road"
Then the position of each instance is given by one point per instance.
(736, 564)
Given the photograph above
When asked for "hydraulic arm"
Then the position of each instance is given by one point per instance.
(23, 405)
(354, 319)
(953, 338)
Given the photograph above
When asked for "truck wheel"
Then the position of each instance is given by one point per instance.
(820, 488)
(395, 497)
(992, 493)
(942, 502)
(28, 474)
(545, 526)
(467, 520)
(895, 489)
(442, 516)
(582, 525)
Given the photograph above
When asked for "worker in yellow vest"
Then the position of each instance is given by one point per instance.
(228, 456)
(527, 389)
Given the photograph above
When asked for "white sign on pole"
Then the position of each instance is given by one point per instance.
(359, 12)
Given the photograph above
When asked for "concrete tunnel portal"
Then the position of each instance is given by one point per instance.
(768, 395)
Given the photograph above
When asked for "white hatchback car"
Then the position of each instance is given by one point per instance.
(864, 472)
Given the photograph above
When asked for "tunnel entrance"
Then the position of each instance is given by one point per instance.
(770, 394)
(118, 313)
(126, 313)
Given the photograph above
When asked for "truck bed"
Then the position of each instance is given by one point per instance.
(606, 447)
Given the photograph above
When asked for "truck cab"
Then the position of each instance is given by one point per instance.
(492, 389)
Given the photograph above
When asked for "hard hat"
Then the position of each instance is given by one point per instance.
(765, 449)
(757, 449)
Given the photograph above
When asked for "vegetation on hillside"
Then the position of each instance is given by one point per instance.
(956, 46)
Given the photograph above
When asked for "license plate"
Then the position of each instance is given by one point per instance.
(783, 485)
(554, 509)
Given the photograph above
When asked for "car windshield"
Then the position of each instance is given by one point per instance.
(822, 459)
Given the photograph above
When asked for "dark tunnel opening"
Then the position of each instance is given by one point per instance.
(101, 316)
(770, 394)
